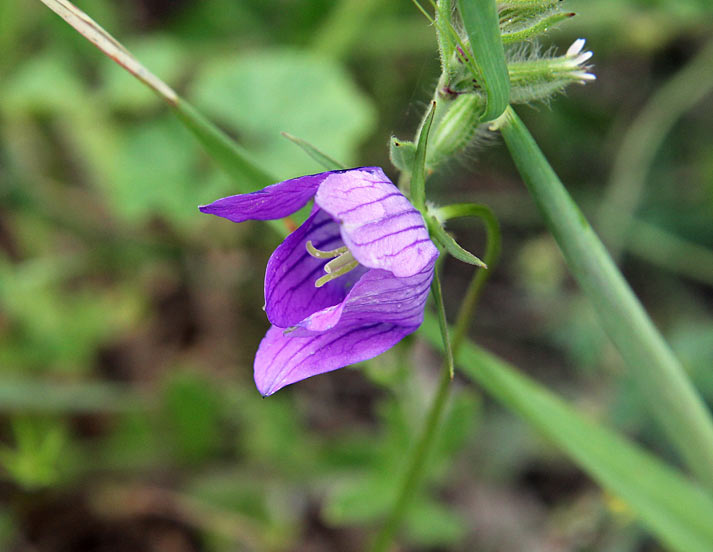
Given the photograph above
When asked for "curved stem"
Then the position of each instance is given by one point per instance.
(427, 438)
(492, 254)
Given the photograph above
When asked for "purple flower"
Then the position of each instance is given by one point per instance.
(348, 284)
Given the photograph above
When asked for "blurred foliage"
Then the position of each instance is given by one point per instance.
(128, 321)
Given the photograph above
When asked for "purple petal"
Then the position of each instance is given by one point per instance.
(290, 293)
(273, 202)
(282, 360)
(378, 296)
(377, 223)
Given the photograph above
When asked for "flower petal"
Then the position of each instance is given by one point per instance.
(290, 293)
(378, 296)
(282, 360)
(378, 224)
(272, 202)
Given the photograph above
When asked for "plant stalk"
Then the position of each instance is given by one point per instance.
(427, 438)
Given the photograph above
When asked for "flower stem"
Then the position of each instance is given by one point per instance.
(669, 392)
(427, 438)
(417, 461)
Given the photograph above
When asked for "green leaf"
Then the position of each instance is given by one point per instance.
(480, 18)
(155, 173)
(259, 95)
(672, 398)
(673, 508)
(44, 84)
(230, 155)
(316, 154)
(227, 153)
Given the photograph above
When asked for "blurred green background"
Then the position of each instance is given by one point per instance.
(128, 321)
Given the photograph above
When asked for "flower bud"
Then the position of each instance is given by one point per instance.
(538, 78)
(456, 128)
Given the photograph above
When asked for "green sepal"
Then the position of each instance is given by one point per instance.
(418, 172)
(402, 154)
(450, 244)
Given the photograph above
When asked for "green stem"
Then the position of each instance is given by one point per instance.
(417, 461)
(643, 139)
(443, 322)
(426, 440)
(669, 393)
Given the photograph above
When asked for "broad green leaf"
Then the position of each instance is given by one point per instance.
(672, 507)
(45, 84)
(259, 95)
(158, 173)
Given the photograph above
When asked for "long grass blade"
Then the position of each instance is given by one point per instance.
(480, 19)
(670, 395)
(673, 508)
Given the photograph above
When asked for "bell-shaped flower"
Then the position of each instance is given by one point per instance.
(348, 284)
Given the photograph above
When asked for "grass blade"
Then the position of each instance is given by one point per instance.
(319, 156)
(671, 397)
(229, 155)
(672, 507)
(480, 18)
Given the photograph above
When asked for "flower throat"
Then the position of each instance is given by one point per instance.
(342, 262)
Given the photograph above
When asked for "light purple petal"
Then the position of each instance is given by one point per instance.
(378, 296)
(273, 202)
(290, 293)
(282, 360)
(377, 223)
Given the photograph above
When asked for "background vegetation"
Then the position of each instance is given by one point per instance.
(128, 321)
